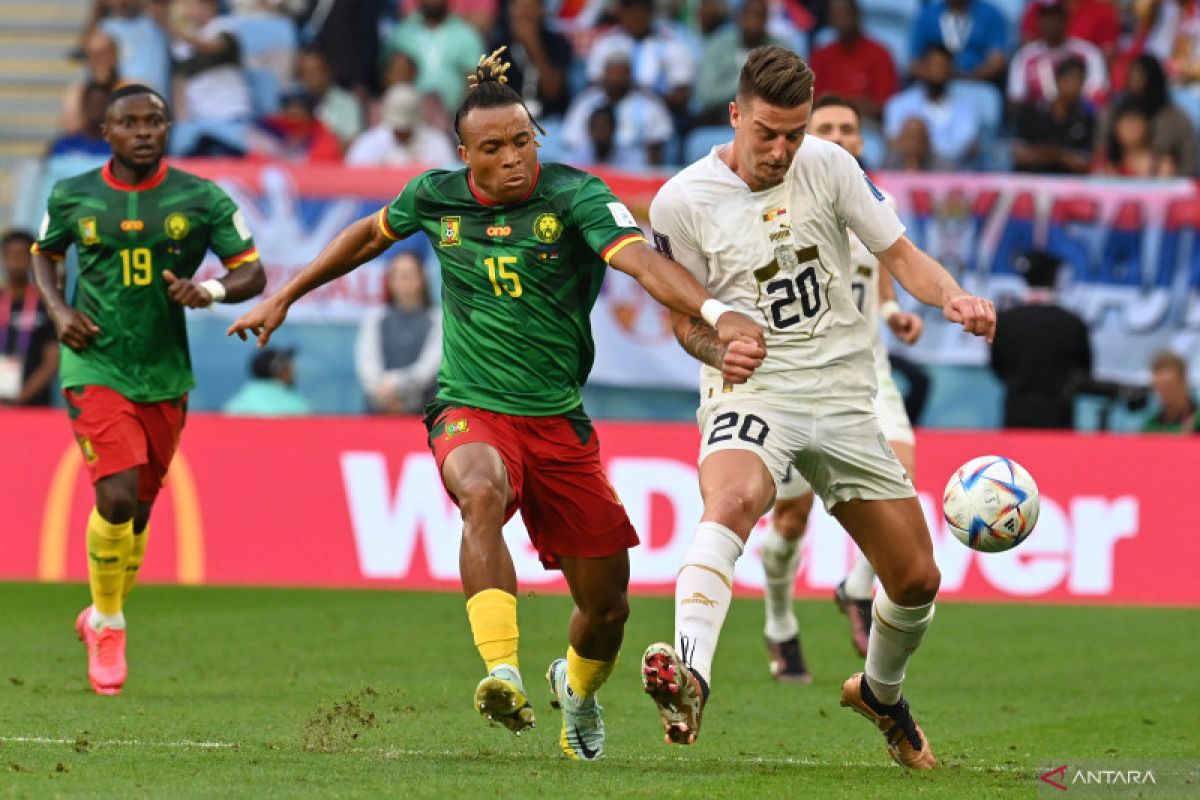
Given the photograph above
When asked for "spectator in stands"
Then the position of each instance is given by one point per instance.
(139, 29)
(973, 31)
(1040, 352)
(953, 124)
(271, 389)
(295, 133)
(711, 16)
(346, 34)
(1172, 135)
(1184, 63)
(1095, 21)
(402, 137)
(723, 56)
(88, 141)
(481, 14)
(602, 138)
(213, 107)
(28, 342)
(1128, 151)
(643, 122)
(660, 59)
(910, 150)
(1057, 136)
(540, 58)
(1031, 76)
(338, 108)
(853, 65)
(399, 345)
(100, 67)
(445, 47)
(1177, 407)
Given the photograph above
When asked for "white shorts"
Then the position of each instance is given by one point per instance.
(838, 448)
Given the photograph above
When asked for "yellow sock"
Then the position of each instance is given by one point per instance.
(585, 676)
(136, 554)
(108, 547)
(493, 617)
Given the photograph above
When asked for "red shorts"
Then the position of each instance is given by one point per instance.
(117, 434)
(554, 470)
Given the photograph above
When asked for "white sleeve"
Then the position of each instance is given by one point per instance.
(860, 203)
(1096, 81)
(681, 64)
(362, 150)
(1017, 88)
(596, 58)
(674, 232)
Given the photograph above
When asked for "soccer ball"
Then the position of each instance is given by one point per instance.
(991, 503)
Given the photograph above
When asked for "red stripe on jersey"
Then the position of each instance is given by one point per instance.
(385, 227)
(627, 239)
(158, 177)
(241, 258)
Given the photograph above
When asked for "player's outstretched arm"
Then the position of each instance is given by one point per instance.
(677, 289)
(737, 360)
(75, 329)
(360, 242)
(929, 282)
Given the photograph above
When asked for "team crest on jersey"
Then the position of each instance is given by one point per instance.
(774, 214)
(177, 226)
(451, 232)
(456, 427)
(89, 231)
(547, 228)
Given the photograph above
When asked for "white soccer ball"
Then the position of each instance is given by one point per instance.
(991, 503)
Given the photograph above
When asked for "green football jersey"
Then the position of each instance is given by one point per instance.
(518, 283)
(125, 237)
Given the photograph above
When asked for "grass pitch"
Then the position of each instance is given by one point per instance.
(280, 693)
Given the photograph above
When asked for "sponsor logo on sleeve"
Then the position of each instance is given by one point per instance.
(621, 215)
(239, 225)
(874, 189)
(662, 243)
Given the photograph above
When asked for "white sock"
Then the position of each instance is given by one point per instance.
(702, 594)
(896, 633)
(860, 579)
(114, 621)
(781, 561)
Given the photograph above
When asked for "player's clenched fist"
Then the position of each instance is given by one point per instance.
(261, 320)
(742, 357)
(731, 325)
(75, 328)
(977, 315)
(185, 292)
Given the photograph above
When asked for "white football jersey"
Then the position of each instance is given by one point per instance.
(782, 257)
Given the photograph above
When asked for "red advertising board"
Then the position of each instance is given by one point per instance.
(357, 503)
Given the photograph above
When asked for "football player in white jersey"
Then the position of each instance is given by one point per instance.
(762, 222)
(836, 120)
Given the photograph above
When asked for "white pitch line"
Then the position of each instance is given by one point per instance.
(396, 752)
(185, 743)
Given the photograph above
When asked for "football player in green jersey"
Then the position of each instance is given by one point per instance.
(140, 230)
(523, 249)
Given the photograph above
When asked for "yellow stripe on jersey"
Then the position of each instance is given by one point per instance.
(387, 229)
(619, 245)
(233, 262)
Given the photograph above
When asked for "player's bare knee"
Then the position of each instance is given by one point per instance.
(480, 496)
(791, 517)
(917, 586)
(115, 504)
(612, 613)
(733, 508)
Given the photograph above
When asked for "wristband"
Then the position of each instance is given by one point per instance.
(712, 309)
(888, 309)
(214, 288)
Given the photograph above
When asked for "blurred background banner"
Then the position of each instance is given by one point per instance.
(358, 503)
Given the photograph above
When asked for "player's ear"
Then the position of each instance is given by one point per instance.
(734, 113)
(462, 155)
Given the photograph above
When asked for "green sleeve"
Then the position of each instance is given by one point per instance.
(229, 237)
(399, 218)
(55, 235)
(603, 220)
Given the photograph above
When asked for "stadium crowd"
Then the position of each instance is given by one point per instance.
(1054, 86)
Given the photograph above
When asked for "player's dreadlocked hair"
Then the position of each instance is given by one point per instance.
(487, 87)
(777, 76)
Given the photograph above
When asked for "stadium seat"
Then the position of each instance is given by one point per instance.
(1188, 101)
(701, 140)
(894, 38)
(264, 91)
